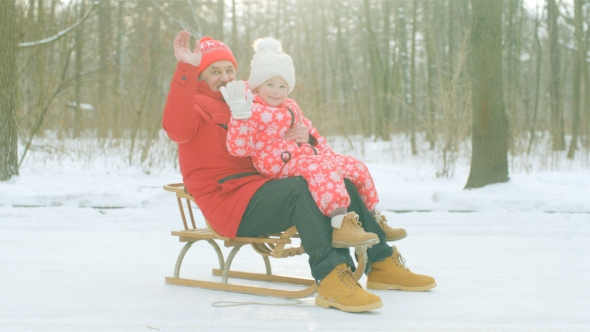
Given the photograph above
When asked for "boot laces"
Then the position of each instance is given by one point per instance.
(357, 226)
(345, 275)
(401, 261)
(382, 220)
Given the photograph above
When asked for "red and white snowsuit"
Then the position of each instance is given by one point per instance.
(261, 138)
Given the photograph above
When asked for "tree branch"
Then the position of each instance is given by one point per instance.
(61, 33)
(180, 22)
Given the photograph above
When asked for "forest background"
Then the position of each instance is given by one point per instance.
(91, 78)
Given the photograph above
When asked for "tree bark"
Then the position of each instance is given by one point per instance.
(406, 76)
(8, 134)
(451, 35)
(220, 16)
(489, 158)
(119, 47)
(377, 74)
(539, 59)
(430, 72)
(78, 87)
(557, 132)
(414, 107)
(579, 59)
(234, 29)
(104, 25)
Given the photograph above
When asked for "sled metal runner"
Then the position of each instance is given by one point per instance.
(274, 245)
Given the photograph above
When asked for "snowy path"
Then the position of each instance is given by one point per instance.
(509, 267)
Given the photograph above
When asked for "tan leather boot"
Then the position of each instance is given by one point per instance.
(391, 234)
(340, 290)
(352, 234)
(392, 273)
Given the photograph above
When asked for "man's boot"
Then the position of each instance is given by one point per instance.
(391, 234)
(392, 273)
(339, 289)
(352, 234)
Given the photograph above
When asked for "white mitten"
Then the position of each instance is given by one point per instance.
(233, 93)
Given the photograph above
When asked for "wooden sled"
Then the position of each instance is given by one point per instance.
(273, 245)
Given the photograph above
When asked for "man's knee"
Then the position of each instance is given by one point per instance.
(299, 188)
(350, 186)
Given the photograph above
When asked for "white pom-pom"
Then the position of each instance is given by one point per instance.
(267, 43)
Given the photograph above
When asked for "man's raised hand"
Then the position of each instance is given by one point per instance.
(182, 51)
(240, 106)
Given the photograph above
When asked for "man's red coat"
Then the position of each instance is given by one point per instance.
(196, 119)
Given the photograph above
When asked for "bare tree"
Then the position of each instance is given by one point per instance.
(414, 105)
(104, 41)
(578, 68)
(430, 72)
(406, 89)
(78, 87)
(8, 135)
(489, 158)
(539, 60)
(220, 18)
(557, 131)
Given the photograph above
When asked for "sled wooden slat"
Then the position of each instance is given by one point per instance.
(288, 294)
(265, 277)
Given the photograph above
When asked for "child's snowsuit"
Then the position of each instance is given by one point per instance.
(261, 137)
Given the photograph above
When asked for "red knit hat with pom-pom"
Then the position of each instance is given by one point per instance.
(213, 51)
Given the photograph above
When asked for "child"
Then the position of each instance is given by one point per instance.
(258, 132)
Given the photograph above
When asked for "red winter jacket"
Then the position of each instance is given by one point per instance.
(221, 184)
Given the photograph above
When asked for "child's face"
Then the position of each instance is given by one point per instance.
(274, 91)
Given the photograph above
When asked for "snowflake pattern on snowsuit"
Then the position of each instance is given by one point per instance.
(261, 138)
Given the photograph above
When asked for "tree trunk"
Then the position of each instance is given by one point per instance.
(78, 87)
(119, 47)
(386, 73)
(406, 76)
(234, 29)
(8, 134)
(220, 18)
(557, 132)
(104, 24)
(579, 58)
(374, 56)
(451, 35)
(539, 59)
(414, 106)
(489, 158)
(430, 72)
(31, 12)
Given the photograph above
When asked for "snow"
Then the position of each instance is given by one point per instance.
(85, 246)
(86, 107)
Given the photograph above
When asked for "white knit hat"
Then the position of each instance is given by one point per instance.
(270, 61)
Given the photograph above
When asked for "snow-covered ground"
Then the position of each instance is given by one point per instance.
(85, 246)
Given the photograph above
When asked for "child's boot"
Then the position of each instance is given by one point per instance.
(391, 234)
(351, 233)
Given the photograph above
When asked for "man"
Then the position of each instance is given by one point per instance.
(237, 201)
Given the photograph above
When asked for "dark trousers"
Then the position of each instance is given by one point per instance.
(280, 204)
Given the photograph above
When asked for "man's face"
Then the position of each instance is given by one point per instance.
(218, 74)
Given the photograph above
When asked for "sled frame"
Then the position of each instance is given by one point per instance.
(274, 245)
